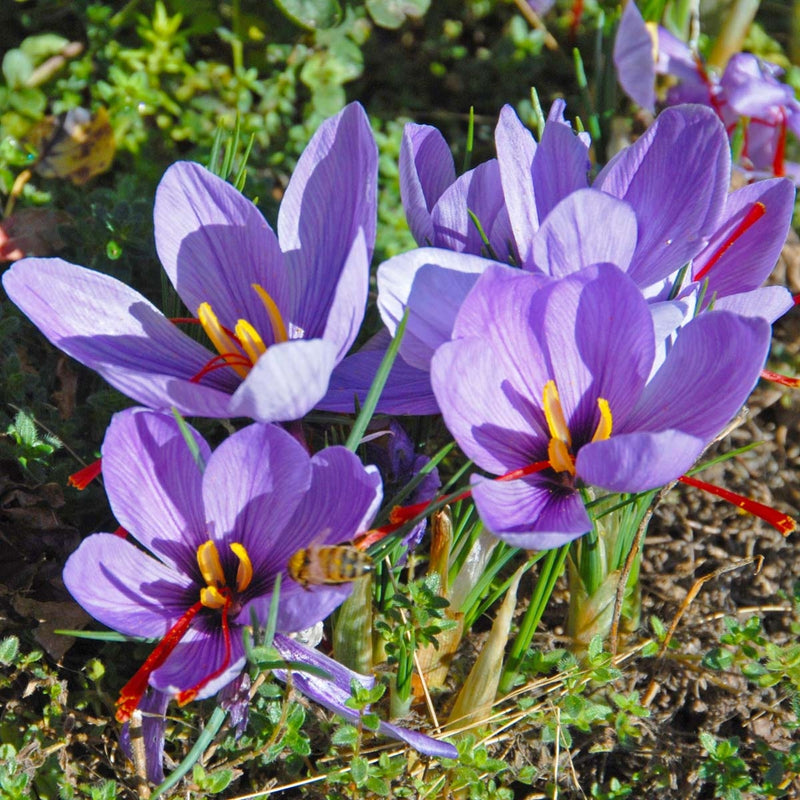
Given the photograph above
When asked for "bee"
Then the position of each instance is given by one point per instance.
(328, 564)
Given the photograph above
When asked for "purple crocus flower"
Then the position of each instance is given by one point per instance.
(280, 310)
(210, 546)
(553, 378)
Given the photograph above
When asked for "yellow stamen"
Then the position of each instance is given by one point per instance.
(559, 457)
(211, 597)
(210, 565)
(554, 414)
(278, 327)
(251, 342)
(652, 29)
(603, 430)
(221, 340)
(244, 572)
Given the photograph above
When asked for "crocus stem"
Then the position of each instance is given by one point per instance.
(552, 568)
(731, 37)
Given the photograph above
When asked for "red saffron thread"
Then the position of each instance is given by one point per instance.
(753, 215)
(783, 380)
(778, 520)
(220, 361)
(83, 477)
(132, 692)
(778, 167)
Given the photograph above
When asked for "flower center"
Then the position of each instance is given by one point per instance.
(559, 452)
(217, 595)
(241, 347)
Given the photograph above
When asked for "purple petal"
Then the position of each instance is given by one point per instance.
(533, 513)
(769, 303)
(154, 485)
(153, 707)
(252, 486)
(633, 58)
(480, 192)
(126, 589)
(637, 462)
(214, 244)
(432, 284)
(200, 653)
(331, 197)
(407, 391)
(334, 693)
(349, 301)
(516, 150)
(561, 165)
(286, 382)
(114, 330)
(751, 87)
(676, 178)
(426, 170)
(570, 238)
(750, 258)
(707, 376)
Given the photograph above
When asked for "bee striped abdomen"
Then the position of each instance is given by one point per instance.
(328, 564)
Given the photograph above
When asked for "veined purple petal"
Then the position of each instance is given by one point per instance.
(114, 330)
(561, 165)
(286, 382)
(252, 486)
(570, 237)
(426, 170)
(634, 58)
(751, 87)
(707, 376)
(637, 462)
(153, 707)
(334, 693)
(516, 150)
(677, 198)
(746, 264)
(214, 244)
(154, 485)
(200, 653)
(331, 196)
(480, 192)
(432, 284)
(407, 391)
(126, 589)
(768, 302)
(346, 313)
(534, 513)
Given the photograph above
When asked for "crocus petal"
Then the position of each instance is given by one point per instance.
(286, 382)
(561, 165)
(677, 200)
(126, 589)
(633, 58)
(768, 302)
(407, 391)
(747, 263)
(533, 513)
(331, 196)
(708, 374)
(751, 87)
(426, 170)
(153, 707)
(570, 238)
(432, 284)
(198, 655)
(516, 150)
(214, 244)
(480, 192)
(637, 462)
(154, 484)
(114, 330)
(346, 310)
(334, 693)
(252, 486)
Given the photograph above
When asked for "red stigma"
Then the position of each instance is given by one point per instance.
(777, 519)
(755, 213)
(778, 167)
(576, 16)
(783, 380)
(220, 361)
(132, 692)
(83, 477)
